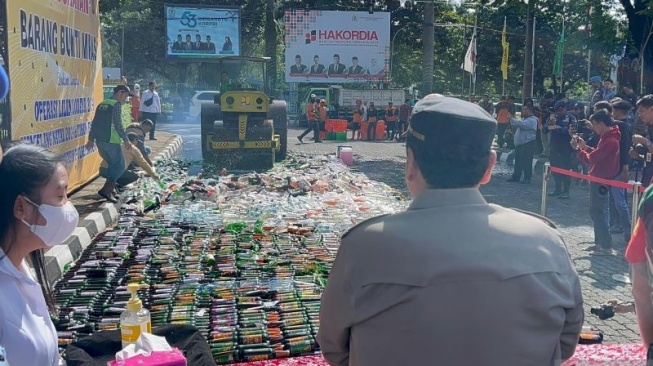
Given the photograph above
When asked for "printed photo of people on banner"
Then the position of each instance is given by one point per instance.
(202, 32)
(344, 47)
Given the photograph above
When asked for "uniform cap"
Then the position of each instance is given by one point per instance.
(560, 104)
(595, 79)
(622, 105)
(440, 123)
(121, 88)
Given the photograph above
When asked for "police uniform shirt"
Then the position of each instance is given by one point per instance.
(453, 280)
(26, 331)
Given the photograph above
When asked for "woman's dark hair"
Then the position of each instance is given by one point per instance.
(25, 170)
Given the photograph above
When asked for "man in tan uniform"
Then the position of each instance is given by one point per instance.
(453, 280)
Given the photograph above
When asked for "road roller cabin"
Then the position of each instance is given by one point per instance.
(245, 128)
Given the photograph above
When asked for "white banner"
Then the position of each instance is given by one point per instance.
(337, 46)
(202, 33)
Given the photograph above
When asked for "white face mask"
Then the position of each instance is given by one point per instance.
(61, 222)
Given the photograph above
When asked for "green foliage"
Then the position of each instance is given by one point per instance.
(262, 34)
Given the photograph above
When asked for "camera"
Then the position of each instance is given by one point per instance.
(641, 150)
(603, 312)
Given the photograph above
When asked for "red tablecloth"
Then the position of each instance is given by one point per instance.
(596, 354)
(608, 354)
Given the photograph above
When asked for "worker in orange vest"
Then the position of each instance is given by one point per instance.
(391, 121)
(358, 118)
(322, 114)
(312, 118)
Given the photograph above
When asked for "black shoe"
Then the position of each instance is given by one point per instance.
(152, 139)
(514, 180)
(300, 139)
(318, 142)
(108, 197)
(564, 196)
(554, 194)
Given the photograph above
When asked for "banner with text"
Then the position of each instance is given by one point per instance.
(196, 32)
(337, 46)
(55, 66)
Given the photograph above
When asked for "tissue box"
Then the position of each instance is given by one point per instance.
(168, 358)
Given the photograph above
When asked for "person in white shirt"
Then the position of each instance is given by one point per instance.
(35, 214)
(151, 106)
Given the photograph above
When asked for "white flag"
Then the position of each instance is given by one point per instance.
(469, 63)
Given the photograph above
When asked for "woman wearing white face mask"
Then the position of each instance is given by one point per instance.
(35, 214)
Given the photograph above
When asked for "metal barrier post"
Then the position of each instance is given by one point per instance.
(636, 197)
(545, 181)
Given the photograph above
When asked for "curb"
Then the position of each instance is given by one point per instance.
(171, 150)
(58, 257)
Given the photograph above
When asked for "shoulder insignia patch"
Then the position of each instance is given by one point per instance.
(542, 218)
(361, 223)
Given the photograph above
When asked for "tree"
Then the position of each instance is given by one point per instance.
(261, 20)
(271, 38)
(640, 21)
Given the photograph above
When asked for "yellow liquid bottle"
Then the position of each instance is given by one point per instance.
(135, 320)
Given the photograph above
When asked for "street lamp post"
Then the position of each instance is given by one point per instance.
(641, 63)
(392, 49)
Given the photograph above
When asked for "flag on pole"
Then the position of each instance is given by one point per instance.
(506, 48)
(469, 64)
(560, 48)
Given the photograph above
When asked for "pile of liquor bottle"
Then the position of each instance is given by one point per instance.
(242, 257)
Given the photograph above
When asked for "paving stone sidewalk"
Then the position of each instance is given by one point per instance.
(384, 161)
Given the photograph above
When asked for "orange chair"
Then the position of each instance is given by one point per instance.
(363, 130)
(380, 130)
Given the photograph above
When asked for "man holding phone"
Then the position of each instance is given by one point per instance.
(604, 163)
(560, 151)
(525, 134)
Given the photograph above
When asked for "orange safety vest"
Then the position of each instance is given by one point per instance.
(311, 111)
(322, 110)
(391, 114)
(358, 115)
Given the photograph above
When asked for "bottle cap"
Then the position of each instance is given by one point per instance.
(134, 304)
